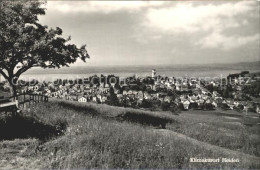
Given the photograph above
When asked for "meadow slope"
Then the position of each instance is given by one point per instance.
(76, 135)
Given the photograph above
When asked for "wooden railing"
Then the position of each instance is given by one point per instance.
(29, 98)
(19, 101)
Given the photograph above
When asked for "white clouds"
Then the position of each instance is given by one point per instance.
(100, 6)
(217, 40)
(184, 25)
(185, 17)
(209, 21)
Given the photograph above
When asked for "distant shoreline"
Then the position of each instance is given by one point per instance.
(142, 71)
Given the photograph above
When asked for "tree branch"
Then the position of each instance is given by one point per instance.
(23, 69)
(4, 75)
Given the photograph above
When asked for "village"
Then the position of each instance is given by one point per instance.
(151, 92)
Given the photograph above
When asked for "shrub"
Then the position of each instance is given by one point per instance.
(165, 106)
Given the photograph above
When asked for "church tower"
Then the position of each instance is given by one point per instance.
(153, 73)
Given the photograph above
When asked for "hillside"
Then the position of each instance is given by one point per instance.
(63, 134)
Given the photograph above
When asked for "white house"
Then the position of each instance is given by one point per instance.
(125, 92)
(186, 104)
(94, 99)
(130, 92)
(258, 109)
(82, 100)
(214, 104)
(104, 99)
(119, 95)
(147, 95)
(99, 97)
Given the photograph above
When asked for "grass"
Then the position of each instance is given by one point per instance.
(221, 130)
(158, 119)
(29, 127)
(95, 138)
(212, 127)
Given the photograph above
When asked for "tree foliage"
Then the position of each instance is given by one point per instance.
(25, 43)
(253, 89)
(113, 100)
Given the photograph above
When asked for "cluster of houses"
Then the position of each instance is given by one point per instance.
(187, 94)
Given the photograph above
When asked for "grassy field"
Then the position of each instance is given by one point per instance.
(74, 135)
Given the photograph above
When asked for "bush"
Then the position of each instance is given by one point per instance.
(165, 106)
(146, 103)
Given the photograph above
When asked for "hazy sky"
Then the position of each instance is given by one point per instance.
(157, 32)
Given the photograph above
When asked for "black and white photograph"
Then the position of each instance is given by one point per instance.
(129, 84)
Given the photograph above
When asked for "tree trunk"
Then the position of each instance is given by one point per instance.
(13, 88)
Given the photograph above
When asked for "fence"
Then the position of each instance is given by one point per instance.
(14, 103)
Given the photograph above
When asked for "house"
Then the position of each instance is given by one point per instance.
(130, 92)
(208, 101)
(36, 87)
(193, 97)
(140, 95)
(239, 88)
(178, 87)
(117, 91)
(74, 98)
(171, 87)
(125, 92)
(186, 104)
(82, 100)
(94, 99)
(102, 85)
(103, 99)
(147, 96)
(218, 100)
(210, 104)
(204, 92)
(200, 102)
(135, 92)
(55, 94)
(204, 97)
(215, 94)
(87, 90)
(124, 86)
(139, 102)
(87, 86)
(99, 97)
(214, 104)
(94, 85)
(167, 99)
(119, 95)
(148, 86)
(257, 109)
(230, 104)
(184, 87)
(160, 98)
(236, 103)
(246, 108)
(30, 88)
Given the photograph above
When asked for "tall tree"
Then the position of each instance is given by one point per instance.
(113, 100)
(25, 43)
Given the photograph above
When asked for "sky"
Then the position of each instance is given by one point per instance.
(159, 32)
